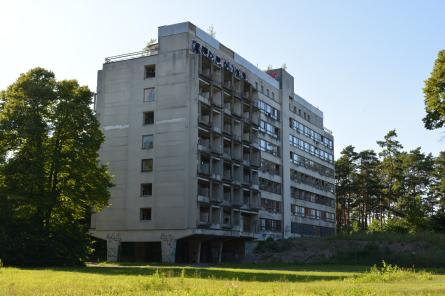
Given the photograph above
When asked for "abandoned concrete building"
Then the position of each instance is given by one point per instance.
(208, 153)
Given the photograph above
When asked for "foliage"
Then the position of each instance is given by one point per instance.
(392, 273)
(434, 92)
(398, 191)
(149, 44)
(50, 178)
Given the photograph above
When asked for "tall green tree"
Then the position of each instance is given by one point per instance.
(369, 204)
(413, 203)
(391, 170)
(51, 176)
(345, 170)
(434, 92)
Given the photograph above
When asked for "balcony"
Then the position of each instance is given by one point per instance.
(203, 140)
(254, 139)
(246, 156)
(236, 107)
(237, 130)
(204, 216)
(246, 91)
(216, 144)
(255, 117)
(237, 87)
(226, 219)
(227, 194)
(216, 217)
(255, 157)
(203, 191)
(217, 96)
(237, 152)
(204, 114)
(227, 148)
(249, 223)
(246, 199)
(227, 103)
(246, 133)
(246, 177)
(204, 91)
(237, 175)
(255, 180)
(227, 171)
(217, 75)
(227, 79)
(216, 168)
(227, 125)
(255, 201)
(237, 197)
(217, 192)
(205, 67)
(246, 113)
(204, 165)
(216, 121)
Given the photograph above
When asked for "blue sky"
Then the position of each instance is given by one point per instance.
(362, 63)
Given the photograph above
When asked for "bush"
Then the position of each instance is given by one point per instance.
(391, 273)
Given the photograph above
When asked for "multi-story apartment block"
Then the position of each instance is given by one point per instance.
(207, 152)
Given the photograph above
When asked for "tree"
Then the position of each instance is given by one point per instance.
(345, 170)
(413, 203)
(391, 170)
(368, 200)
(211, 31)
(149, 44)
(50, 173)
(434, 92)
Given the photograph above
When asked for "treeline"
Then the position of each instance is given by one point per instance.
(390, 190)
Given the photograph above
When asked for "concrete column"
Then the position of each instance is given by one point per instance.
(198, 253)
(113, 244)
(220, 252)
(168, 249)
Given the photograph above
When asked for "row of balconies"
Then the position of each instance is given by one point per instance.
(228, 148)
(225, 218)
(223, 123)
(234, 196)
(226, 79)
(230, 105)
(219, 169)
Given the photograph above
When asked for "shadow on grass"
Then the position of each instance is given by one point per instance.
(208, 273)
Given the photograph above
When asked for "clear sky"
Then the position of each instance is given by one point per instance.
(363, 63)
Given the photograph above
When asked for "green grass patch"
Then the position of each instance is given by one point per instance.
(253, 279)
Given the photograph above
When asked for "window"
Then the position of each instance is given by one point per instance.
(149, 118)
(308, 117)
(149, 94)
(147, 141)
(145, 214)
(150, 71)
(256, 85)
(262, 89)
(273, 95)
(267, 92)
(146, 189)
(147, 165)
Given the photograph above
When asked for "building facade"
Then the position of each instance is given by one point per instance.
(207, 152)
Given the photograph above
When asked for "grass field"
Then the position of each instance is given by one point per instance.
(109, 279)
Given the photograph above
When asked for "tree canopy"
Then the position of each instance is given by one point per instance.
(434, 91)
(50, 177)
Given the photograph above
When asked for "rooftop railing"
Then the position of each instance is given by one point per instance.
(131, 55)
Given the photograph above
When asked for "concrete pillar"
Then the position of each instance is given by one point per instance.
(168, 249)
(198, 253)
(220, 251)
(113, 244)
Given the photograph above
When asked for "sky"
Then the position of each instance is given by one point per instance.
(363, 63)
